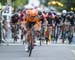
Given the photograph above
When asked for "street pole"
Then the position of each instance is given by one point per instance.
(0, 27)
(0, 32)
(0, 23)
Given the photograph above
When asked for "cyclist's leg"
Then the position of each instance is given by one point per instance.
(25, 41)
(26, 46)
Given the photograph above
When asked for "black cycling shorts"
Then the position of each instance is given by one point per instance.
(30, 24)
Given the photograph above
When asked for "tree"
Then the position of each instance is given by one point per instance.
(67, 4)
(15, 3)
(18, 3)
(3, 2)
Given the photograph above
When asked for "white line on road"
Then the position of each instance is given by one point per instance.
(64, 44)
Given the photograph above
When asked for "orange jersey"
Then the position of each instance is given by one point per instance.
(31, 16)
(32, 19)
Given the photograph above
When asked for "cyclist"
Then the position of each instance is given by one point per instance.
(31, 20)
(14, 29)
(70, 18)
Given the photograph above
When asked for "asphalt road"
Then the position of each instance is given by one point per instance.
(44, 52)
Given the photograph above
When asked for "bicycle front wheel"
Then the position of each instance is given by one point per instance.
(30, 50)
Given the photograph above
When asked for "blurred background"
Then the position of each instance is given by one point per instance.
(9, 8)
(59, 4)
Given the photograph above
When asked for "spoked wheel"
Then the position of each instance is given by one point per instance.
(30, 50)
